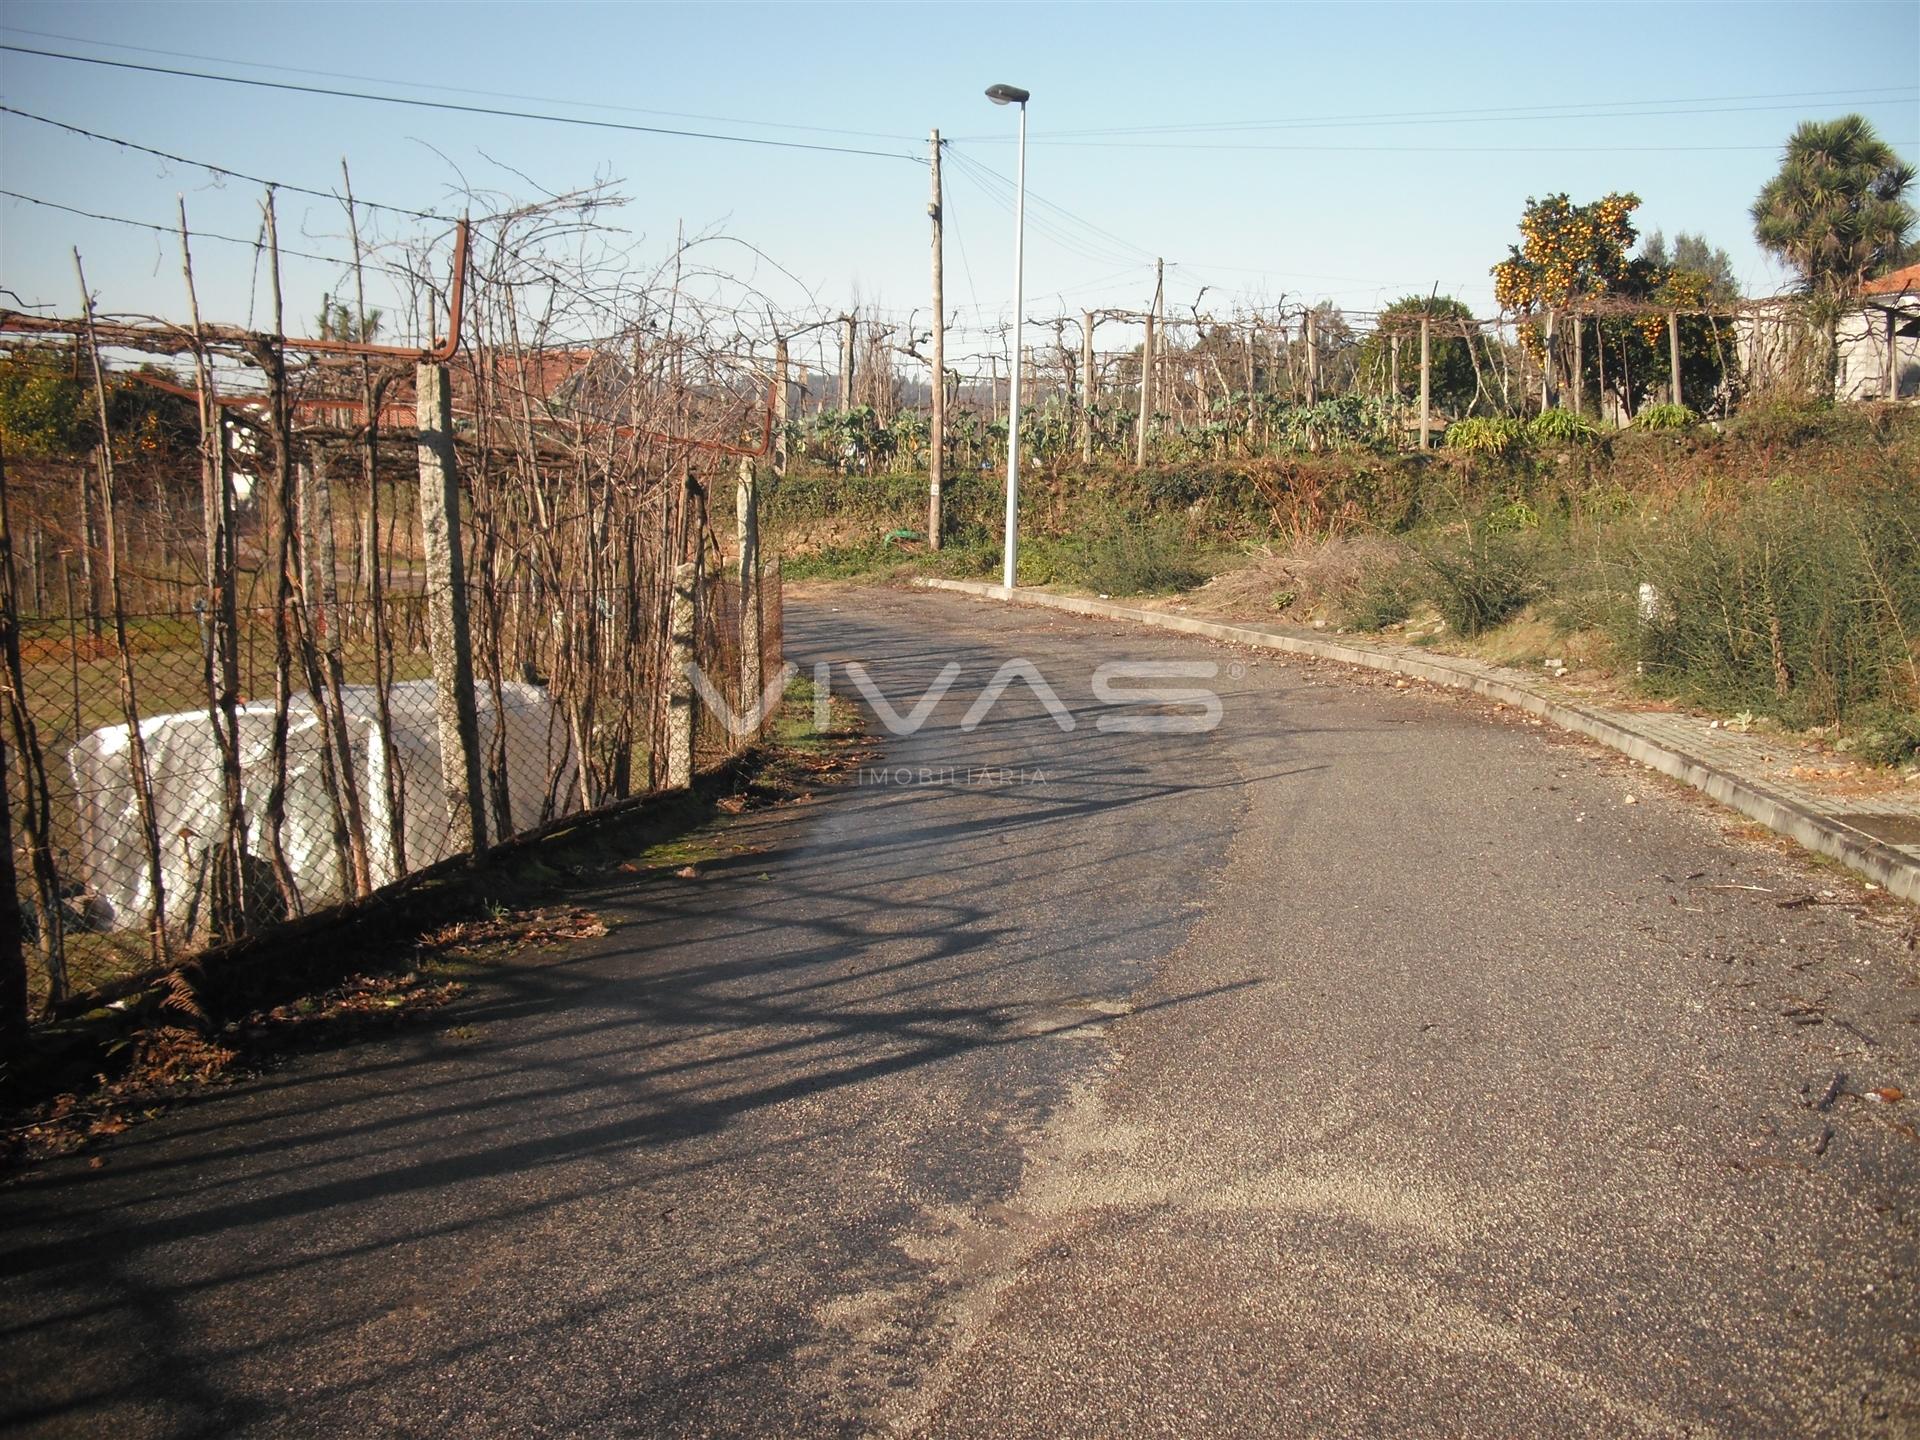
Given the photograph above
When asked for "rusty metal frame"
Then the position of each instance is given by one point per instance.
(437, 354)
(352, 404)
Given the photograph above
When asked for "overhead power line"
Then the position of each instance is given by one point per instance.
(1106, 238)
(998, 189)
(458, 89)
(457, 108)
(1423, 149)
(171, 230)
(225, 170)
(1610, 109)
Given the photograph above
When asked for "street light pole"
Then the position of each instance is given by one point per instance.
(1013, 95)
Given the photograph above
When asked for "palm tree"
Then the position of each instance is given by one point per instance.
(1836, 213)
(336, 322)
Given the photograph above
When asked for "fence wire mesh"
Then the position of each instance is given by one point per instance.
(293, 758)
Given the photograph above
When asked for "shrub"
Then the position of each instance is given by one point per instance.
(1482, 580)
(1562, 427)
(1885, 735)
(1133, 557)
(963, 555)
(1804, 605)
(1794, 419)
(1487, 435)
(1385, 596)
(1514, 515)
(840, 562)
(1665, 417)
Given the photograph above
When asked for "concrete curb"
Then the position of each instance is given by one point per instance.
(1879, 862)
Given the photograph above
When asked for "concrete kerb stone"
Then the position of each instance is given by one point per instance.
(1879, 862)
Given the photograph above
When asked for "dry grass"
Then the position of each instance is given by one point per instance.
(1307, 580)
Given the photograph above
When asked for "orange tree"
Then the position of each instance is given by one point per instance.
(1577, 256)
(1568, 252)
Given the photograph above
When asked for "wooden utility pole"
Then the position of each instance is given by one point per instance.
(1086, 385)
(848, 331)
(1146, 365)
(1426, 381)
(937, 442)
(1673, 352)
(448, 640)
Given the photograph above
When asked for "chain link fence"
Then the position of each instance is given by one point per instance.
(288, 758)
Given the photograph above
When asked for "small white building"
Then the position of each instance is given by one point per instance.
(1878, 343)
(1884, 362)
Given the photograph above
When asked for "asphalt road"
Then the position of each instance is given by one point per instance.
(1368, 1065)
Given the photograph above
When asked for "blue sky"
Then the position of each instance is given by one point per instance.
(1581, 98)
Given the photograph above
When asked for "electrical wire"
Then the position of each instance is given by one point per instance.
(1432, 149)
(1099, 253)
(950, 221)
(1126, 246)
(173, 230)
(1612, 109)
(449, 105)
(454, 89)
(223, 170)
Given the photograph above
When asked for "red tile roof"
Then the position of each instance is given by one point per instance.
(1900, 282)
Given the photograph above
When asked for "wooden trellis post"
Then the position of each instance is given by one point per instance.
(1579, 372)
(1426, 380)
(1312, 342)
(1086, 385)
(782, 401)
(848, 339)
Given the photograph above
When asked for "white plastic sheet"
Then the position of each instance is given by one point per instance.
(183, 759)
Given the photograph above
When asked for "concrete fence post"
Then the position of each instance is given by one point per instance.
(682, 625)
(448, 639)
(747, 508)
(1673, 352)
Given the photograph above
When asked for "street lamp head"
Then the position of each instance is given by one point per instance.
(1007, 95)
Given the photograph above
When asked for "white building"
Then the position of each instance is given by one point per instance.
(1878, 343)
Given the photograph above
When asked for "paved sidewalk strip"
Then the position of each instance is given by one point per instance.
(1877, 836)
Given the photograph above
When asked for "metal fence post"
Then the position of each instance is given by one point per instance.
(448, 640)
